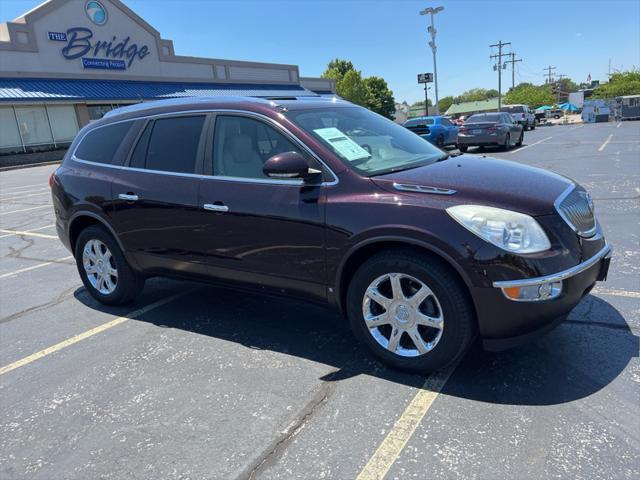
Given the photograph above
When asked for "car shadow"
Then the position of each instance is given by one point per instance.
(577, 359)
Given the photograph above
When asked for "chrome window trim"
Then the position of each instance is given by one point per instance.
(265, 118)
(557, 277)
(589, 233)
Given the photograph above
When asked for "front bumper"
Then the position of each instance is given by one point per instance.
(505, 323)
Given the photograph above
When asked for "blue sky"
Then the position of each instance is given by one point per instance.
(389, 38)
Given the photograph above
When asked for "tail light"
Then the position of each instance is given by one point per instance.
(463, 130)
(52, 178)
(492, 129)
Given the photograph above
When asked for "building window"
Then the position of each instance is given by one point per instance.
(64, 123)
(10, 142)
(36, 128)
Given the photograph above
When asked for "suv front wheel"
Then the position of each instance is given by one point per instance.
(104, 271)
(411, 311)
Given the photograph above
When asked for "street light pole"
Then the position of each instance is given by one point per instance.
(432, 30)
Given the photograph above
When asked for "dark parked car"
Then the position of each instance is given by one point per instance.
(490, 129)
(333, 203)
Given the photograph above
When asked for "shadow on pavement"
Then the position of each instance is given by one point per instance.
(580, 357)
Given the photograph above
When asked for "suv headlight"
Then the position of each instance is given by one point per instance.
(511, 231)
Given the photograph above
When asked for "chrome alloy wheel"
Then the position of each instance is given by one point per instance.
(100, 266)
(402, 314)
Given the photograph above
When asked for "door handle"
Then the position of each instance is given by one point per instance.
(129, 197)
(215, 207)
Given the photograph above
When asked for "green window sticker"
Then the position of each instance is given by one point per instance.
(346, 147)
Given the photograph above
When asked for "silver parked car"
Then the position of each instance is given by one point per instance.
(484, 129)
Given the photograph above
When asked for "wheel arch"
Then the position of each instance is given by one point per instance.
(81, 220)
(360, 252)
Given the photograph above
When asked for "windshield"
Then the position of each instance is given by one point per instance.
(365, 141)
(514, 109)
(485, 118)
(418, 121)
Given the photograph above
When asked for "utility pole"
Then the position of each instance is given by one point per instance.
(499, 66)
(513, 68)
(559, 84)
(549, 75)
(432, 30)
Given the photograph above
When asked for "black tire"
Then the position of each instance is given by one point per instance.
(463, 148)
(128, 285)
(507, 142)
(533, 127)
(457, 310)
(520, 140)
(440, 141)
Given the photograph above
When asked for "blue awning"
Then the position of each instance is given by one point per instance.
(37, 89)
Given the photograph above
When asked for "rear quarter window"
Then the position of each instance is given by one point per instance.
(101, 144)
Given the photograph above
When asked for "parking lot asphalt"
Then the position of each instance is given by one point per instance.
(195, 381)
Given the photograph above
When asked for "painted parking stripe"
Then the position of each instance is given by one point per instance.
(530, 145)
(4, 193)
(25, 233)
(616, 292)
(20, 197)
(618, 125)
(606, 142)
(34, 267)
(26, 209)
(84, 335)
(393, 444)
(575, 128)
(21, 187)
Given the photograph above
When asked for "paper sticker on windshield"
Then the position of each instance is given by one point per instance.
(346, 147)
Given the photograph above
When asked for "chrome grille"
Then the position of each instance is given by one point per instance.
(576, 208)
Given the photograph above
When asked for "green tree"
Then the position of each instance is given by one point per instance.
(351, 87)
(532, 95)
(341, 66)
(492, 93)
(379, 98)
(620, 83)
(444, 103)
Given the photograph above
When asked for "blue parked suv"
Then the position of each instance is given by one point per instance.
(437, 130)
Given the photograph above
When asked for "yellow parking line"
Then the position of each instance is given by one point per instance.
(390, 448)
(616, 292)
(26, 233)
(84, 335)
(26, 209)
(33, 267)
(606, 142)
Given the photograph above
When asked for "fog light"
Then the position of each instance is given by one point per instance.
(534, 293)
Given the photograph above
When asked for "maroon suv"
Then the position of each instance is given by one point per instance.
(330, 202)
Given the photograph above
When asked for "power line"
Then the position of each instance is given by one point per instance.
(549, 73)
(513, 62)
(499, 66)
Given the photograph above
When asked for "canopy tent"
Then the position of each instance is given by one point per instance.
(543, 108)
(569, 107)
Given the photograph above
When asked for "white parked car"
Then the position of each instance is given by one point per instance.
(522, 115)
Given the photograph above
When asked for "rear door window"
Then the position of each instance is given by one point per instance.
(101, 144)
(169, 145)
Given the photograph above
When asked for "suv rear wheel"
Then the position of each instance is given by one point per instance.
(411, 311)
(104, 271)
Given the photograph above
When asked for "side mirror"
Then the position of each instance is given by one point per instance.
(288, 165)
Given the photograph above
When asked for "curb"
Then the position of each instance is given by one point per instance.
(29, 165)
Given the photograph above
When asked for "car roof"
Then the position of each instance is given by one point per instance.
(254, 104)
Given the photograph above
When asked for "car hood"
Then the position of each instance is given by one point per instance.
(485, 181)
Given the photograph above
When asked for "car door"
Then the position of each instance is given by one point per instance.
(451, 131)
(256, 230)
(156, 192)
